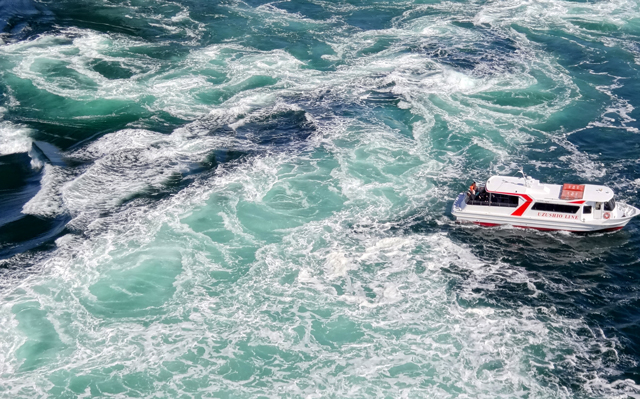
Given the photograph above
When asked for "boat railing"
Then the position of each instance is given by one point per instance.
(476, 202)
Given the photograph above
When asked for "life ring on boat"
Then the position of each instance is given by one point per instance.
(607, 215)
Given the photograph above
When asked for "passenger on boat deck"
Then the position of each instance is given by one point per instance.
(473, 190)
(483, 195)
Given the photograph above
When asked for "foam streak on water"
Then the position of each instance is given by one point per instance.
(255, 198)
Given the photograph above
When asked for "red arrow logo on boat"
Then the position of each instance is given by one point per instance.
(523, 207)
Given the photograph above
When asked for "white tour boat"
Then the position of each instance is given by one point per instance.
(525, 202)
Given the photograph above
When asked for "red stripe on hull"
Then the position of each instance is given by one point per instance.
(540, 228)
(613, 229)
(483, 224)
(570, 231)
(487, 224)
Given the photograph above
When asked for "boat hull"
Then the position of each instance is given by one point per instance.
(530, 224)
(503, 217)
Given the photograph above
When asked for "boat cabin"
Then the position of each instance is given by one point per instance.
(525, 194)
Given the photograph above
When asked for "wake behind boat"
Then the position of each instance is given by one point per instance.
(527, 203)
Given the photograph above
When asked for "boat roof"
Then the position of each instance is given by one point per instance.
(550, 192)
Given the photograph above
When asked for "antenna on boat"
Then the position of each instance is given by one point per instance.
(526, 178)
(522, 171)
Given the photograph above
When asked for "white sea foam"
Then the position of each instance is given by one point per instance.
(338, 264)
(48, 202)
(14, 138)
(385, 291)
(135, 161)
(620, 109)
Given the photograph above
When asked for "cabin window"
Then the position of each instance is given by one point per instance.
(542, 206)
(586, 210)
(504, 200)
(486, 198)
(609, 205)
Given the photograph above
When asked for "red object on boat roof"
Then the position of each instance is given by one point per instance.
(572, 191)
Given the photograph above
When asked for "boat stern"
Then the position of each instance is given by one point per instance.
(459, 204)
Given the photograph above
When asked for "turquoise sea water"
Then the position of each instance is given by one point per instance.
(251, 199)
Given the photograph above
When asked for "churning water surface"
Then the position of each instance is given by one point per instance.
(251, 198)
